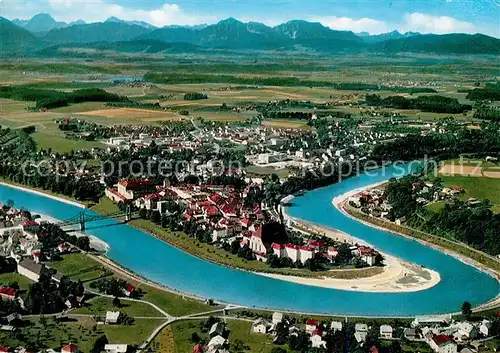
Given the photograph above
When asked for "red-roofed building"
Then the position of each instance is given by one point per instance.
(316, 244)
(374, 349)
(312, 325)
(279, 250)
(114, 195)
(31, 226)
(134, 188)
(443, 344)
(4, 349)
(62, 247)
(7, 293)
(128, 290)
(198, 349)
(210, 211)
(216, 199)
(70, 348)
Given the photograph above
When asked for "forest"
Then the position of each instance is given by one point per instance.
(49, 99)
(463, 141)
(487, 114)
(434, 104)
(491, 92)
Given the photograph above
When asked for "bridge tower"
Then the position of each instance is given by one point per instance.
(82, 221)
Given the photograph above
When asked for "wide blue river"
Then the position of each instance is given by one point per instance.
(164, 264)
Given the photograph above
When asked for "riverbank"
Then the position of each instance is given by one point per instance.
(44, 193)
(461, 252)
(397, 276)
(222, 257)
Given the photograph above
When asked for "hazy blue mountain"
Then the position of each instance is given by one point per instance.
(138, 23)
(41, 22)
(234, 34)
(15, 38)
(441, 44)
(377, 38)
(95, 32)
(77, 22)
(317, 36)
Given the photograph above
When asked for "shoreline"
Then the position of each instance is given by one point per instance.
(139, 278)
(44, 194)
(398, 276)
(339, 203)
(390, 280)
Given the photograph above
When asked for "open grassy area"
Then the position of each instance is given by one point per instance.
(83, 267)
(23, 282)
(100, 305)
(239, 330)
(476, 187)
(164, 342)
(79, 267)
(82, 332)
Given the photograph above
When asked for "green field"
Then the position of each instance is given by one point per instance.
(239, 330)
(23, 282)
(82, 332)
(79, 267)
(480, 188)
(100, 305)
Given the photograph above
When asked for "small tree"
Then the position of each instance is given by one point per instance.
(467, 309)
(116, 302)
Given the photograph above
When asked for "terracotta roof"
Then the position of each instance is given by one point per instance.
(30, 223)
(8, 291)
(312, 322)
(70, 348)
(211, 210)
(4, 349)
(116, 193)
(198, 349)
(135, 183)
(442, 339)
(277, 246)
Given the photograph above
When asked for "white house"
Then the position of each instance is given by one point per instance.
(277, 318)
(30, 269)
(216, 342)
(361, 330)
(112, 317)
(317, 340)
(116, 348)
(336, 326)
(260, 326)
(385, 331)
(219, 233)
(485, 327)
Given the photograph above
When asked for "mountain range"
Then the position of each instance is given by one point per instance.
(42, 31)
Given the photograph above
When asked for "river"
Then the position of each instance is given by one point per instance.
(167, 265)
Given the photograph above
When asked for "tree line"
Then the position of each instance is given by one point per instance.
(434, 104)
(48, 98)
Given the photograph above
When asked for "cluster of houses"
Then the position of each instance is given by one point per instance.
(440, 332)
(375, 204)
(68, 348)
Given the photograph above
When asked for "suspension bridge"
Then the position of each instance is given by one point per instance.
(82, 219)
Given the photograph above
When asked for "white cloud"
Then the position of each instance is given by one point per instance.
(348, 24)
(419, 22)
(100, 10)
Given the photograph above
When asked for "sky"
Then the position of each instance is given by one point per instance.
(373, 16)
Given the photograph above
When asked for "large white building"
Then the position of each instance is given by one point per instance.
(30, 269)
